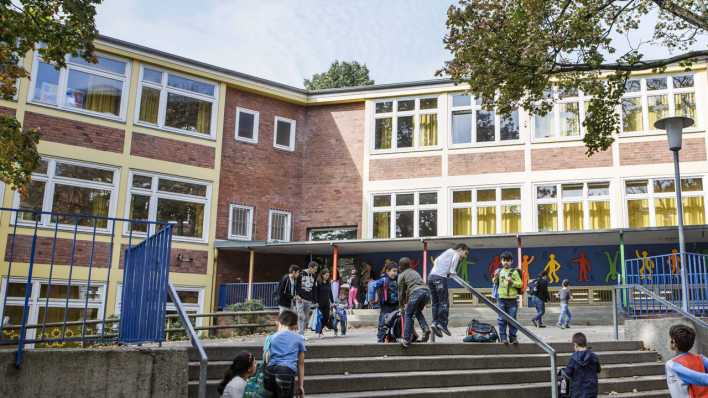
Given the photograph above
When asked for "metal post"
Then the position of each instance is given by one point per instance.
(614, 313)
(623, 268)
(251, 261)
(425, 261)
(682, 242)
(335, 263)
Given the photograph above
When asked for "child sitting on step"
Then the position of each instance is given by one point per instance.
(686, 372)
(234, 383)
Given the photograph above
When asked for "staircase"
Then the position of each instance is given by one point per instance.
(450, 370)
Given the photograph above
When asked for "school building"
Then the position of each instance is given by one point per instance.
(256, 175)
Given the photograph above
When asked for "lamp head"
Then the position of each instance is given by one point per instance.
(674, 128)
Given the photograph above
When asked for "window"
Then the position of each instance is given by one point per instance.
(343, 233)
(176, 103)
(406, 214)
(406, 123)
(652, 202)
(565, 119)
(240, 222)
(284, 133)
(99, 89)
(649, 99)
(573, 206)
(246, 125)
(71, 188)
(279, 225)
(486, 211)
(472, 124)
(180, 202)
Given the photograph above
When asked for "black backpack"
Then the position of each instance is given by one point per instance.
(533, 287)
(480, 332)
(392, 327)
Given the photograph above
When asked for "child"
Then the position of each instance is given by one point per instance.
(234, 382)
(540, 298)
(582, 368)
(353, 290)
(306, 295)
(565, 297)
(387, 287)
(509, 283)
(413, 297)
(686, 373)
(324, 299)
(287, 288)
(286, 357)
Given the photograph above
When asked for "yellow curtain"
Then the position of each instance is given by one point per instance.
(462, 222)
(198, 220)
(548, 217)
(204, 117)
(685, 105)
(632, 114)
(658, 108)
(383, 134)
(486, 220)
(511, 219)
(149, 105)
(428, 130)
(665, 210)
(382, 225)
(693, 210)
(573, 216)
(638, 213)
(102, 98)
(99, 206)
(599, 214)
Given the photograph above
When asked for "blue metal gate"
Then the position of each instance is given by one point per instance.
(234, 293)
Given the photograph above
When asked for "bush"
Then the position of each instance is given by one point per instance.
(247, 306)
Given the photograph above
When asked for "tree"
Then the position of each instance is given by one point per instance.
(511, 51)
(340, 74)
(64, 27)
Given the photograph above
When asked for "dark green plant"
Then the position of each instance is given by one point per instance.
(340, 74)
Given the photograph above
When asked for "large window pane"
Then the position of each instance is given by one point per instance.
(46, 83)
(547, 217)
(485, 126)
(382, 225)
(149, 105)
(486, 220)
(428, 223)
(462, 127)
(543, 125)
(509, 129)
(569, 119)
(32, 199)
(685, 105)
(573, 216)
(428, 129)
(382, 135)
(404, 133)
(246, 121)
(658, 108)
(187, 218)
(139, 210)
(240, 225)
(462, 222)
(638, 213)
(693, 210)
(632, 114)
(104, 63)
(599, 213)
(190, 85)
(279, 228)
(665, 210)
(93, 93)
(404, 224)
(186, 113)
(511, 219)
(83, 173)
(80, 200)
(283, 133)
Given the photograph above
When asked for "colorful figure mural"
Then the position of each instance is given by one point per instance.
(463, 269)
(552, 267)
(493, 266)
(526, 261)
(583, 266)
(647, 264)
(675, 261)
(612, 262)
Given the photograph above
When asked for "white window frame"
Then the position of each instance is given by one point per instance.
(416, 207)
(162, 109)
(189, 308)
(669, 91)
(293, 132)
(50, 180)
(581, 99)
(155, 194)
(650, 195)
(249, 221)
(287, 228)
(585, 199)
(473, 108)
(319, 229)
(475, 204)
(395, 114)
(256, 118)
(64, 79)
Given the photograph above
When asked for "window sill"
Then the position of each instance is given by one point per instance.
(175, 238)
(78, 111)
(240, 238)
(407, 150)
(655, 133)
(490, 144)
(556, 139)
(176, 131)
(63, 228)
(247, 141)
(284, 148)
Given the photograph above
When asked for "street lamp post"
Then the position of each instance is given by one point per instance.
(674, 128)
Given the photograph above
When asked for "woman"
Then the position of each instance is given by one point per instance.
(324, 298)
(234, 383)
(540, 298)
(353, 290)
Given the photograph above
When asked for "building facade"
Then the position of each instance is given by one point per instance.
(226, 156)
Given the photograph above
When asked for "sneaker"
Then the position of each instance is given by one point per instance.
(541, 325)
(504, 341)
(436, 330)
(426, 336)
(445, 330)
(514, 341)
(559, 325)
(534, 322)
(567, 326)
(404, 343)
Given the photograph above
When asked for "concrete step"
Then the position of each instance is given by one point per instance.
(325, 366)
(638, 394)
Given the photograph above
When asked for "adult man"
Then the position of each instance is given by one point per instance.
(306, 295)
(444, 266)
(287, 288)
(509, 283)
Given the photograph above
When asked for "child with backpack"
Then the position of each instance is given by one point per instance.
(234, 383)
(686, 372)
(509, 284)
(565, 297)
(285, 358)
(540, 296)
(387, 289)
(583, 368)
(413, 296)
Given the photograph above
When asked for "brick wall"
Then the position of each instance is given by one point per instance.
(232, 267)
(631, 153)
(485, 163)
(172, 150)
(409, 167)
(259, 175)
(72, 132)
(573, 157)
(62, 252)
(181, 260)
(332, 168)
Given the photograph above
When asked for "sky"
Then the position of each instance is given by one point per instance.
(289, 40)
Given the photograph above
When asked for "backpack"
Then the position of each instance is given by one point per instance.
(479, 332)
(393, 327)
(564, 383)
(533, 287)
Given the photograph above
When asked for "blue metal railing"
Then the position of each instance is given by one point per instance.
(234, 293)
(661, 275)
(57, 274)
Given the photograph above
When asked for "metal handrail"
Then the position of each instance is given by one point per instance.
(196, 343)
(528, 333)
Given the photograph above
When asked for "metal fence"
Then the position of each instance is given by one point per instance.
(235, 293)
(58, 268)
(661, 275)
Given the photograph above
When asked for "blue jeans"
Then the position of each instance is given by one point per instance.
(540, 309)
(565, 316)
(510, 306)
(440, 298)
(385, 309)
(416, 303)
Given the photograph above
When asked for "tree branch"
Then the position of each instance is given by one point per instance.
(641, 65)
(683, 13)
